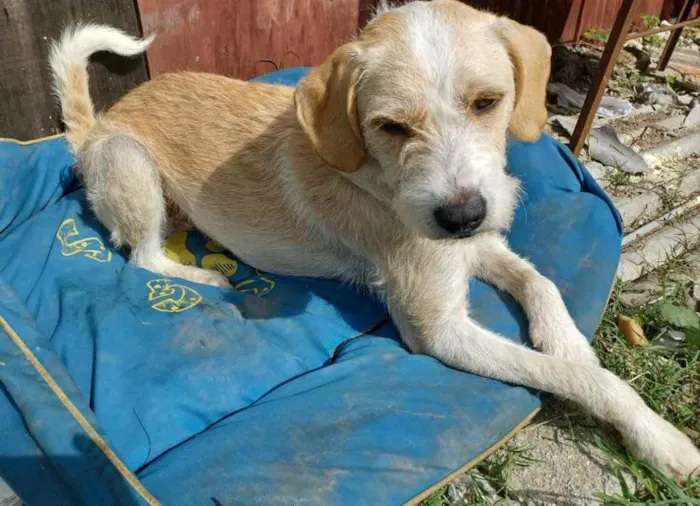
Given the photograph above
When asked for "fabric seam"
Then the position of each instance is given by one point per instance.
(78, 416)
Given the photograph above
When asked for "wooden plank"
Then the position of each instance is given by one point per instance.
(29, 109)
(235, 38)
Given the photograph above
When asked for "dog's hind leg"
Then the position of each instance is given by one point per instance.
(125, 192)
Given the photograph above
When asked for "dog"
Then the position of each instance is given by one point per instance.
(384, 167)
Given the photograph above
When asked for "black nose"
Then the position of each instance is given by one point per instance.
(462, 216)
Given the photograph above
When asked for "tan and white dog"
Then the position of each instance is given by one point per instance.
(384, 167)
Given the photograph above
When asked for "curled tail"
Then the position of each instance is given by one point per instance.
(69, 59)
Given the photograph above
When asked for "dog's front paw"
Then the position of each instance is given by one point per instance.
(658, 442)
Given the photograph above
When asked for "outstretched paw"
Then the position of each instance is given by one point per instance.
(663, 445)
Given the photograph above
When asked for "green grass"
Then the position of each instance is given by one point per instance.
(667, 376)
(672, 79)
(666, 373)
(489, 478)
(597, 35)
(616, 177)
(649, 486)
(650, 21)
(655, 40)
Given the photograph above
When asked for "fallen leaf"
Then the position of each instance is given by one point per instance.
(692, 336)
(632, 331)
(681, 317)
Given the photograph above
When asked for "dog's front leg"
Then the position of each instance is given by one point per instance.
(425, 284)
(552, 329)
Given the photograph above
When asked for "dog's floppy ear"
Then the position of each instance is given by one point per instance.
(531, 54)
(327, 109)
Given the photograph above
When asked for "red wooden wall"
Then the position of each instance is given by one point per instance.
(234, 37)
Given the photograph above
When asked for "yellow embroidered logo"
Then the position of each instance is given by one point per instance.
(214, 246)
(220, 263)
(175, 248)
(168, 297)
(214, 257)
(259, 285)
(90, 247)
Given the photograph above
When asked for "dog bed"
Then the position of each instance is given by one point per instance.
(119, 386)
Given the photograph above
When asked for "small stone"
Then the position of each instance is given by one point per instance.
(670, 124)
(693, 117)
(455, 493)
(634, 44)
(676, 335)
(597, 169)
(690, 432)
(605, 146)
(568, 123)
(690, 83)
(461, 489)
(633, 299)
(685, 99)
(644, 109)
(660, 99)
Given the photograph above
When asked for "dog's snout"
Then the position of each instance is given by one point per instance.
(462, 216)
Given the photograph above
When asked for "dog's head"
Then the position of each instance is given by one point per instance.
(416, 111)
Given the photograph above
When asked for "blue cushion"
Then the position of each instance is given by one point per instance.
(282, 391)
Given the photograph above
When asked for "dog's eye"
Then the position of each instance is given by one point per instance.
(393, 128)
(485, 104)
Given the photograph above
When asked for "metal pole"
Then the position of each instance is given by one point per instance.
(595, 94)
(674, 36)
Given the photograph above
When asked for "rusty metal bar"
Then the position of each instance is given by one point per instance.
(632, 36)
(620, 29)
(676, 26)
(675, 35)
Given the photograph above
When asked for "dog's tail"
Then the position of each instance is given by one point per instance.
(69, 59)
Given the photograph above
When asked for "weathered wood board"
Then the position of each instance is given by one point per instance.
(28, 108)
(235, 37)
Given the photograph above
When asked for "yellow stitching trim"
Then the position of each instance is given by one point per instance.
(33, 141)
(82, 421)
